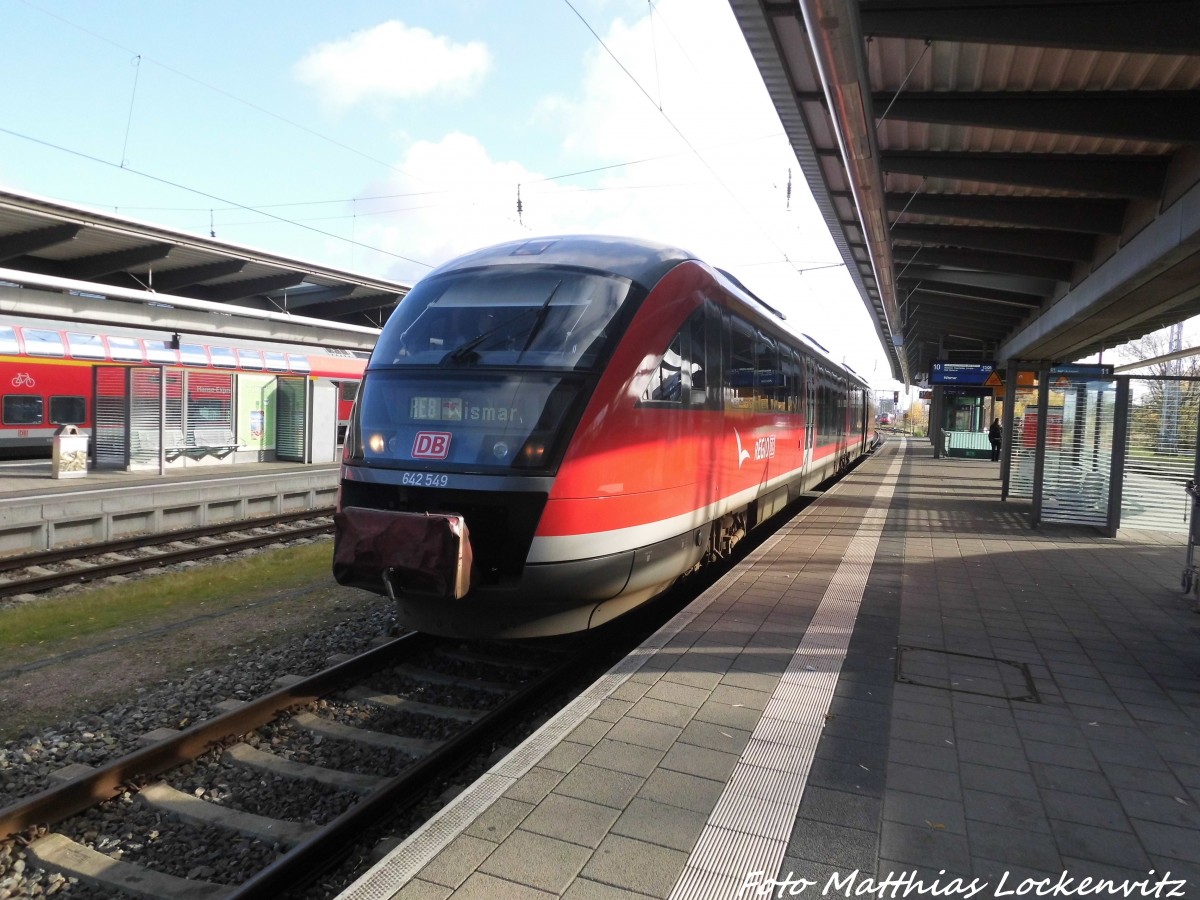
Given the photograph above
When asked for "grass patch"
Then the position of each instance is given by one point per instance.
(161, 598)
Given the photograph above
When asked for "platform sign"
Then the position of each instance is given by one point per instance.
(942, 372)
(1083, 371)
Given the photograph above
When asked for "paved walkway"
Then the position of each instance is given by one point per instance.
(905, 683)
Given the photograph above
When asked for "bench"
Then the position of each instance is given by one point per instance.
(216, 441)
(145, 442)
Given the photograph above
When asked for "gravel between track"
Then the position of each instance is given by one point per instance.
(111, 697)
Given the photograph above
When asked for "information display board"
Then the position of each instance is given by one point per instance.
(943, 372)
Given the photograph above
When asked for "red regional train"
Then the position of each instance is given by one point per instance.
(46, 372)
(551, 432)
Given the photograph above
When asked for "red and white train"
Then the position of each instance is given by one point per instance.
(46, 372)
(551, 432)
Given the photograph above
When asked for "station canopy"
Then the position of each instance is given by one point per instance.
(45, 238)
(1004, 180)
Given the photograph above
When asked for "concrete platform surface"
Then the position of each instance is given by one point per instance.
(905, 692)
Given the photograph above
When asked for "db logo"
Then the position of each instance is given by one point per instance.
(431, 445)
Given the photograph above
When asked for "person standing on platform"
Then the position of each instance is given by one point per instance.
(994, 434)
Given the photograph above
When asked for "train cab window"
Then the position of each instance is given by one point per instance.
(39, 342)
(160, 352)
(68, 410)
(666, 382)
(8, 340)
(126, 349)
(193, 355)
(85, 346)
(680, 378)
(249, 359)
(22, 409)
(536, 316)
(276, 362)
(222, 357)
(347, 391)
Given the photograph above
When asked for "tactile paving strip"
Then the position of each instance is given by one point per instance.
(744, 836)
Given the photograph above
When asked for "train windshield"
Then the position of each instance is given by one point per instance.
(539, 317)
(503, 420)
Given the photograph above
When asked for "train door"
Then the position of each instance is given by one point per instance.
(323, 408)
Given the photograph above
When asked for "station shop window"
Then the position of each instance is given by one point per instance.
(39, 342)
(210, 400)
(8, 340)
(85, 346)
(68, 410)
(23, 409)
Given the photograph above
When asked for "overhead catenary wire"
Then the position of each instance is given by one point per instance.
(674, 127)
(231, 203)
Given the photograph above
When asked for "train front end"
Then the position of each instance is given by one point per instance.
(467, 406)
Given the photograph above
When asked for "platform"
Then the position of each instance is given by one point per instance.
(39, 512)
(904, 684)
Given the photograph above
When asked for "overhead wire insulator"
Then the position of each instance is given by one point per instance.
(520, 207)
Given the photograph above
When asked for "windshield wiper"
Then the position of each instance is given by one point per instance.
(541, 319)
(460, 354)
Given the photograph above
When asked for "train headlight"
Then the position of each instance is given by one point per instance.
(533, 453)
(500, 450)
(377, 443)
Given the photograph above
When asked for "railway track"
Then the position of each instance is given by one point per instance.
(414, 707)
(37, 572)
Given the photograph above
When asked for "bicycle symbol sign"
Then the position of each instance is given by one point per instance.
(22, 379)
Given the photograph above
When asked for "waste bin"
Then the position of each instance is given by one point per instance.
(69, 458)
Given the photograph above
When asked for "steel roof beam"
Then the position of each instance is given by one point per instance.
(21, 243)
(1137, 177)
(309, 299)
(1166, 116)
(1038, 242)
(981, 261)
(248, 287)
(941, 307)
(89, 268)
(341, 308)
(1121, 26)
(1062, 213)
(186, 276)
(968, 292)
(967, 280)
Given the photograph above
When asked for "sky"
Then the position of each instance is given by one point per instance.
(385, 138)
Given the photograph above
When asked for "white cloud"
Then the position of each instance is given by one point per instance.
(712, 179)
(392, 61)
(454, 198)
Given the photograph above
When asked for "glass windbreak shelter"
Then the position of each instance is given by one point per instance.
(1079, 429)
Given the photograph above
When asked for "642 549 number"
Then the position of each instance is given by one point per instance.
(425, 479)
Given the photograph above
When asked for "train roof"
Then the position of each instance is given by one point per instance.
(642, 261)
